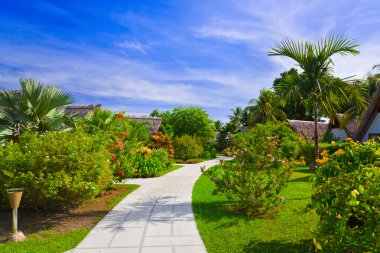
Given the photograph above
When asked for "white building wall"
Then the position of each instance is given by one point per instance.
(374, 128)
(339, 134)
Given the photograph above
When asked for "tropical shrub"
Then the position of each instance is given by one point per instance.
(56, 170)
(209, 151)
(346, 198)
(187, 147)
(162, 155)
(159, 140)
(259, 172)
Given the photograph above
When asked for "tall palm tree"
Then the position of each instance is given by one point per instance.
(236, 116)
(265, 108)
(321, 92)
(35, 106)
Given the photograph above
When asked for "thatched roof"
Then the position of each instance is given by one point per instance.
(156, 122)
(80, 110)
(351, 126)
(369, 116)
(305, 129)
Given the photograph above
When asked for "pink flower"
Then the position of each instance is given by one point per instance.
(123, 174)
(123, 135)
(282, 198)
(234, 156)
(112, 150)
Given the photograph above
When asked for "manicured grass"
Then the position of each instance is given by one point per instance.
(52, 241)
(172, 168)
(287, 231)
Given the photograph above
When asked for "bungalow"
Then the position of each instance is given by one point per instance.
(305, 129)
(370, 124)
(341, 130)
(83, 110)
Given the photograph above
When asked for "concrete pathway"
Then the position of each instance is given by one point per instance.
(157, 217)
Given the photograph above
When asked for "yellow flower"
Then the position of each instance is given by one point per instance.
(339, 151)
(348, 139)
(145, 151)
(324, 152)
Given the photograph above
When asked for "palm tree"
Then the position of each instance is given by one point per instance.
(236, 116)
(321, 92)
(265, 108)
(36, 107)
(99, 118)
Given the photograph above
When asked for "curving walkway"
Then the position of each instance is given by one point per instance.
(157, 217)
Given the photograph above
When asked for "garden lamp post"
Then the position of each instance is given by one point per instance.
(14, 196)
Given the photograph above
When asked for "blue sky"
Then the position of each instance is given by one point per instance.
(140, 55)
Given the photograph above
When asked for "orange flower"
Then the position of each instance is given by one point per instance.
(323, 160)
(324, 152)
(348, 139)
(339, 151)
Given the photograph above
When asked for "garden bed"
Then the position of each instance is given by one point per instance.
(58, 232)
(223, 230)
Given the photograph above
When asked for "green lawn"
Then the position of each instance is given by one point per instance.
(49, 241)
(288, 231)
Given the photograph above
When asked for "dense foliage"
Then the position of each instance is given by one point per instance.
(57, 169)
(35, 107)
(159, 140)
(261, 168)
(347, 190)
(187, 147)
(190, 120)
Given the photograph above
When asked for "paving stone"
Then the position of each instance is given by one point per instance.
(159, 228)
(127, 237)
(157, 250)
(98, 237)
(190, 249)
(107, 250)
(172, 240)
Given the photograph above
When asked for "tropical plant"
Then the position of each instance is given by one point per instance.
(36, 107)
(321, 92)
(99, 119)
(265, 108)
(236, 116)
(218, 125)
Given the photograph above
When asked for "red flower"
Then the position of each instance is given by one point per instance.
(120, 116)
(114, 159)
(119, 170)
(112, 150)
(123, 135)
(115, 144)
(123, 174)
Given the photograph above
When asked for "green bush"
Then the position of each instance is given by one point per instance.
(260, 170)
(347, 199)
(56, 170)
(162, 155)
(187, 147)
(209, 151)
(147, 166)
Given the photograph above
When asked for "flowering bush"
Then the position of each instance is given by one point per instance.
(159, 140)
(259, 173)
(187, 147)
(347, 198)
